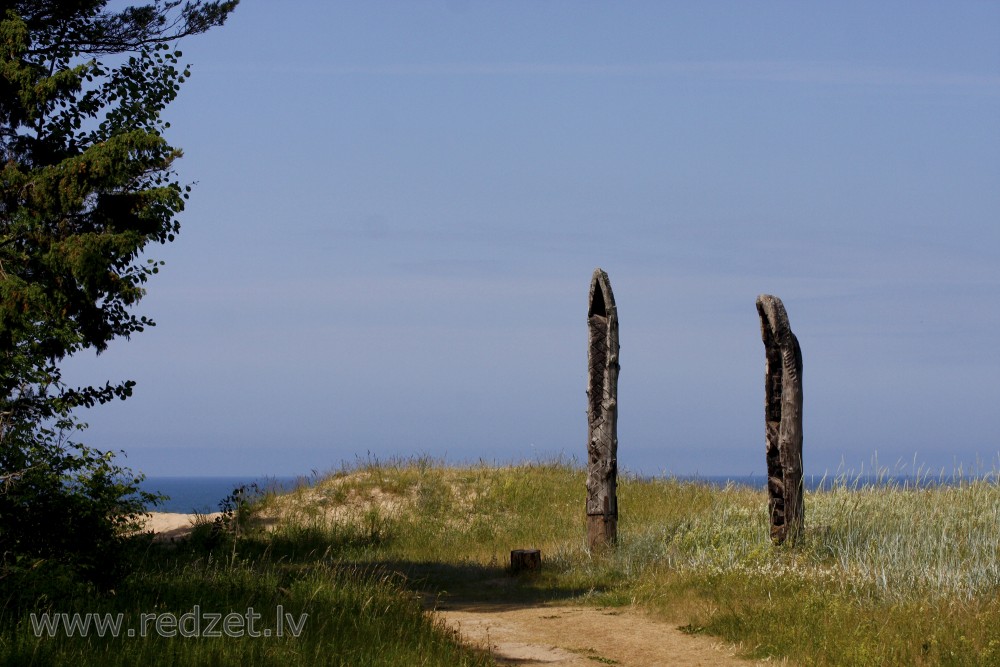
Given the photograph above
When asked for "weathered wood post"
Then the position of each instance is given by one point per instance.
(783, 420)
(525, 560)
(602, 414)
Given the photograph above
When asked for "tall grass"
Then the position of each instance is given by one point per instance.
(355, 617)
(885, 574)
(349, 613)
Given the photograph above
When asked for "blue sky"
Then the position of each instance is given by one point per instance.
(398, 207)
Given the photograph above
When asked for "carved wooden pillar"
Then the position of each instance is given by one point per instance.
(783, 420)
(602, 414)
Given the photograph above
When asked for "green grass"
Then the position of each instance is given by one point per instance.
(883, 575)
(355, 617)
(357, 613)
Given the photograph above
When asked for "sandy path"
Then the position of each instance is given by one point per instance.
(170, 525)
(583, 637)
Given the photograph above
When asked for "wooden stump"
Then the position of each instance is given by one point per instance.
(602, 414)
(782, 420)
(525, 560)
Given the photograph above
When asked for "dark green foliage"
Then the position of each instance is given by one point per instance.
(86, 185)
(64, 515)
(235, 515)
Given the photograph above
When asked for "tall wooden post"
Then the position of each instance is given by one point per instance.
(783, 420)
(602, 414)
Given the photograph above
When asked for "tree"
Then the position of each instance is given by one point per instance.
(86, 186)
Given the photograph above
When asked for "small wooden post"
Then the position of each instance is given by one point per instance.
(525, 560)
(602, 414)
(782, 420)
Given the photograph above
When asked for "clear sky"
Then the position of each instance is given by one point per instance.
(398, 207)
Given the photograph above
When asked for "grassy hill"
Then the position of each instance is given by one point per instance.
(884, 575)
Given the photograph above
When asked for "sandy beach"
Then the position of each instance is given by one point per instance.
(172, 525)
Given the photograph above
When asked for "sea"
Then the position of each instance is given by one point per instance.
(203, 495)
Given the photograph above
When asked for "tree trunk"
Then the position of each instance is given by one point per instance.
(525, 560)
(602, 414)
(783, 420)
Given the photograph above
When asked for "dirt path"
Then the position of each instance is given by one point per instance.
(583, 637)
